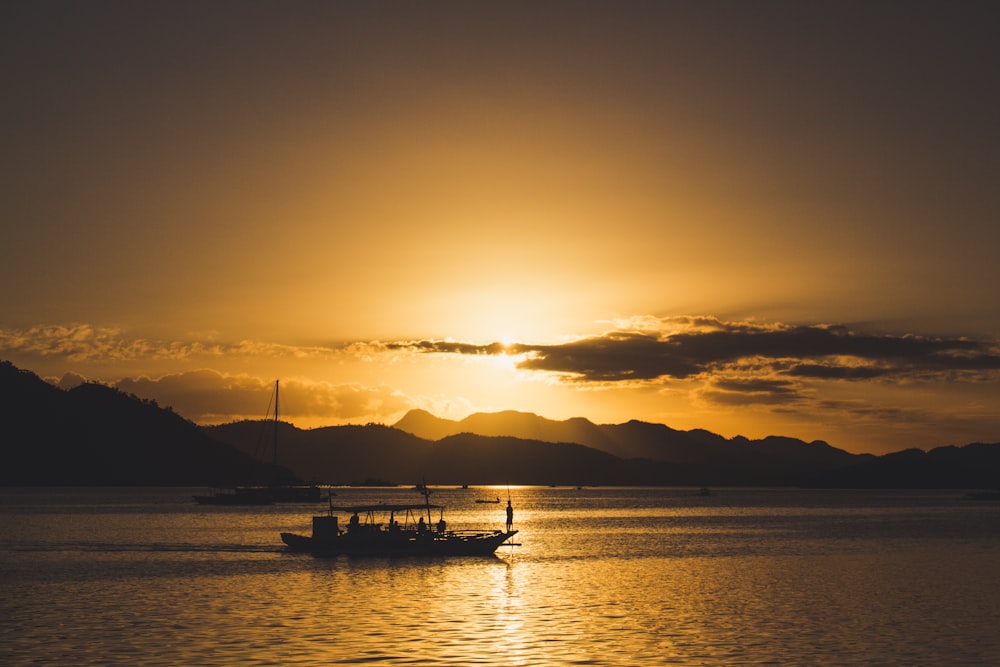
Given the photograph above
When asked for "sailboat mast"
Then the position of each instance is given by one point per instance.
(275, 455)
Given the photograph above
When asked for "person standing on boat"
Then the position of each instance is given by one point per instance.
(510, 516)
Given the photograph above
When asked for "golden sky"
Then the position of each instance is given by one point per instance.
(754, 218)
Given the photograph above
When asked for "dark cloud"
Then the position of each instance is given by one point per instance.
(835, 372)
(613, 357)
(687, 347)
(758, 386)
(733, 391)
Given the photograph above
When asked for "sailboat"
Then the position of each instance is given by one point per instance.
(266, 495)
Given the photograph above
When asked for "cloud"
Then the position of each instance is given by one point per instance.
(689, 347)
(716, 361)
(76, 342)
(89, 343)
(207, 396)
(751, 391)
(447, 347)
(70, 380)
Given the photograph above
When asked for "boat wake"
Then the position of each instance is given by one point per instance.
(105, 547)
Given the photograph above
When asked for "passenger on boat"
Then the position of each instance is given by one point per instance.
(393, 525)
(441, 525)
(421, 525)
(354, 523)
(510, 516)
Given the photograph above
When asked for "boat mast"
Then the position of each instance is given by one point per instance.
(275, 454)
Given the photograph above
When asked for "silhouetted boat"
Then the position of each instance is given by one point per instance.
(239, 495)
(487, 501)
(413, 537)
(265, 495)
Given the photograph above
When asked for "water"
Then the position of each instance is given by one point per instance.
(601, 577)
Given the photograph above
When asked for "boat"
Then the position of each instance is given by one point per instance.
(262, 495)
(265, 495)
(238, 495)
(365, 535)
(485, 501)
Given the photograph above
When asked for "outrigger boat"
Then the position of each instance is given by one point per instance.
(412, 537)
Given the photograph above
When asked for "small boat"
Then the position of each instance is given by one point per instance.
(485, 501)
(263, 495)
(412, 537)
(238, 495)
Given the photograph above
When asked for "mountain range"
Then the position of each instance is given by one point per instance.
(97, 435)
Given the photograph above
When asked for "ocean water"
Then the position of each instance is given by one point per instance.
(601, 576)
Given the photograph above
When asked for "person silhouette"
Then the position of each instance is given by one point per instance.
(510, 516)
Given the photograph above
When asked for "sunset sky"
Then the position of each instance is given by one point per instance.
(749, 217)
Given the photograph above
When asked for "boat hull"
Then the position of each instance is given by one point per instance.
(403, 543)
(241, 495)
(263, 495)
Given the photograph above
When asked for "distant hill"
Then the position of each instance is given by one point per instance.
(974, 466)
(701, 457)
(336, 454)
(96, 435)
(351, 454)
(640, 440)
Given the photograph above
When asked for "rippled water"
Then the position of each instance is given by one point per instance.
(601, 577)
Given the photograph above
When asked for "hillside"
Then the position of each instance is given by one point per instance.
(95, 435)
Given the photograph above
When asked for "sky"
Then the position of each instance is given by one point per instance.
(755, 218)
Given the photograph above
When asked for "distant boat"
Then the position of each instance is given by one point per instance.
(486, 501)
(266, 495)
(239, 495)
(413, 537)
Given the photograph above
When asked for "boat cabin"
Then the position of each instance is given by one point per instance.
(368, 519)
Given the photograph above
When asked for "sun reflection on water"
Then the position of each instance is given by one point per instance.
(507, 600)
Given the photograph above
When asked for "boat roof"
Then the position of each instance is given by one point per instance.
(382, 508)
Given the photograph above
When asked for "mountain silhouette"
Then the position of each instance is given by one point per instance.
(639, 440)
(96, 435)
